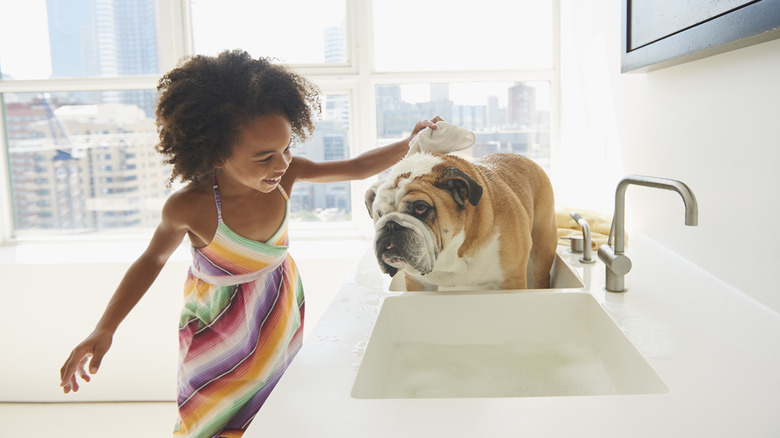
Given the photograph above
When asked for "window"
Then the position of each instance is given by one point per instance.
(78, 134)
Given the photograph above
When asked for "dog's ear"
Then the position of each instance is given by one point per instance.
(370, 196)
(462, 187)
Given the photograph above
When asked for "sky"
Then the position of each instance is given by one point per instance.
(30, 60)
(258, 30)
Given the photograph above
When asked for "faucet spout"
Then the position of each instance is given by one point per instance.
(691, 207)
(613, 256)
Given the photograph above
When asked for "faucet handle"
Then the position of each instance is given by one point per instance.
(618, 264)
(585, 246)
(575, 243)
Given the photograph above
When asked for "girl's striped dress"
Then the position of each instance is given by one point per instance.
(241, 326)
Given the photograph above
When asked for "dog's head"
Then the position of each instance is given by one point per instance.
(418, 209)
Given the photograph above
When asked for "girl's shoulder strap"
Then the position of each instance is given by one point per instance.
(284, 193)
(216, 198)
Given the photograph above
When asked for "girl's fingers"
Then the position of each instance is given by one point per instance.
(72, 369)
(82, 372)
(71, 385)
(94, 364)
(67, 370)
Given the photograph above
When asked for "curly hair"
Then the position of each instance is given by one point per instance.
(205, 100)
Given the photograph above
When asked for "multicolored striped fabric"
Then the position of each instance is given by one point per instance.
(241, 326)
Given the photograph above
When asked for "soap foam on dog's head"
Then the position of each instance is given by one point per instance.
(415, 165)
(388, 193)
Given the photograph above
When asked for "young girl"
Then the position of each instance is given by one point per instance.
(226, 125)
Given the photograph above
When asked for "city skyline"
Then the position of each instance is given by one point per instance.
(85, 161)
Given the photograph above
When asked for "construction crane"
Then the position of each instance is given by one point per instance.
(58, 132)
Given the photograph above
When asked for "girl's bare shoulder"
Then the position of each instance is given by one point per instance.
(189, 203)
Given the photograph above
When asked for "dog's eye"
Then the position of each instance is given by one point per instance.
(420, 207)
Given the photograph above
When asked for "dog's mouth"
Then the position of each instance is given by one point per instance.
(392, 257)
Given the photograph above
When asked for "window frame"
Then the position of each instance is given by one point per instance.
(356, 78)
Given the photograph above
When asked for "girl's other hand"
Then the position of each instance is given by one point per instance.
(95, 347)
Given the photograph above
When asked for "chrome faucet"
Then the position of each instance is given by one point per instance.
(618, 264)
(583, 241)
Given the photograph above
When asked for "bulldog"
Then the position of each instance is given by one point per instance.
(448, 222)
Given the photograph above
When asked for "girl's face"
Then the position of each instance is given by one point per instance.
(262, 154)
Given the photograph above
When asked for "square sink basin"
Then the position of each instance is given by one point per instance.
(499, 344)
(562, 276)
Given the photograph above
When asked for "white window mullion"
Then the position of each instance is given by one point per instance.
(80, 84)
(175, 32)
(364, 112)
(6, 217)
(462, 76)
(363, 54)
(555, 90)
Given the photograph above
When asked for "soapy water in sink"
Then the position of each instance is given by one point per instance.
(436, 371)
(500, 345)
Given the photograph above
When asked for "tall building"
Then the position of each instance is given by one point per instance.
(45, 179)
(99, 38)
(336, 106)
(335, 44)
(332, 201)
(84, 167)
(495, 115)
(521, 105)
(72, 38)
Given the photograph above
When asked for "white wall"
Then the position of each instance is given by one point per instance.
(52, 295)
(713, 124)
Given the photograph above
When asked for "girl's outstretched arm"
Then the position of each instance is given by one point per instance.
(361, 167)
(136, 281)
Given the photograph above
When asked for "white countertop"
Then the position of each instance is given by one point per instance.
(716, 349)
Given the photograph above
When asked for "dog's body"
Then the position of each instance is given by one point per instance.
(446, 221)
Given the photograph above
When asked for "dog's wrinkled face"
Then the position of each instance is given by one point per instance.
(417, 210)
(404, 240)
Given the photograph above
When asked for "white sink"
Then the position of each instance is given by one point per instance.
(499, 344)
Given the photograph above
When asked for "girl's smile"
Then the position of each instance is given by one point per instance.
(273, 181)
(261, 156)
